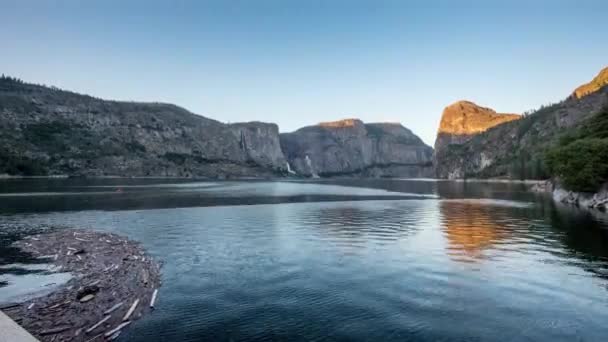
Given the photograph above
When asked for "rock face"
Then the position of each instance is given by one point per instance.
(462, 120)
(598, 200)
(515, 149)
(350, 147)
(47, 131)
(596, 84)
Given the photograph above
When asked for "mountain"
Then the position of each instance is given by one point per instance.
(596, 84)
(48, 131)
(462, 120)
(516, 148)
(350, 147)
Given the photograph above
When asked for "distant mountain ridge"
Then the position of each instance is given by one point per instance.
(350, 147)
(515, 148)
(48, 131)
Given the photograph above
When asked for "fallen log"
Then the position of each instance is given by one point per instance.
(96, 325)
(130, 312)
(112, 309)
(120, 326)
(153, 298)
(55, 330)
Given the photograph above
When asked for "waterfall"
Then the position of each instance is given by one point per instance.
(312, 170)
(289, 170)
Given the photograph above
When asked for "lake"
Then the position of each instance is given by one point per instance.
(334, 260)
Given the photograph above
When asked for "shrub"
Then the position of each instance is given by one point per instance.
(582, 165)
(580, 159)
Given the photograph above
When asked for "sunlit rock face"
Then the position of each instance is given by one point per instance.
(352, 148)
(596, 84)
(464, 119)
(459, 123)
(512, 149)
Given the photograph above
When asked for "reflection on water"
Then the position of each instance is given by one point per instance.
(364, 260)
(362, 224)
(471, 228)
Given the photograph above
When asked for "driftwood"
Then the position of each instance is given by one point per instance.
(94, 337)
(112, 309)
(8, 306)
(120, 326)
(115, 336)
(130, 312)
(96, 282)
(145, 276)
(112, 272)
(153, 298)
(55, 330)
(96, 325)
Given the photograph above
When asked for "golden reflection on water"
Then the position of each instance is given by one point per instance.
(471, 230)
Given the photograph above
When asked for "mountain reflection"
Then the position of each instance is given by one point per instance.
(471, 229)
(357, 225)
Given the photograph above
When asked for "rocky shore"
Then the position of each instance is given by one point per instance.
(597, 200)
(114, 283)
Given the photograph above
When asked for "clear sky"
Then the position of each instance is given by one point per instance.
(300, 62)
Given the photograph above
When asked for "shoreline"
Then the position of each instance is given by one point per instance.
(113, 284)
(294, 178)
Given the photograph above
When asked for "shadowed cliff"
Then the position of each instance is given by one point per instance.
(47, 131)
(350, 147)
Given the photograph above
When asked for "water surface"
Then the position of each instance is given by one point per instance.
(356, 260)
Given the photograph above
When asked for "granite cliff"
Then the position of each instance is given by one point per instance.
(351, 148)
(594, 85)
(515, 148)
(48, 131)
(462, 120)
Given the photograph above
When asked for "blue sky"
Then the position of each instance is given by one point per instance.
(297, 63)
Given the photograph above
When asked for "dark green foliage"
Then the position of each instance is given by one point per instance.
(135, 146)
(17, 104)
(48, 135)
(19, 165)
(176, 158)
(582, 165)
(580, 159)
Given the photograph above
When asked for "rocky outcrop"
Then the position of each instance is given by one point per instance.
(597, 200)
(47, 131)
(464, 119)
(586, 200)
(350, 147)
(515, 149)
(460, 122)
(596, 84)
(260, 141)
